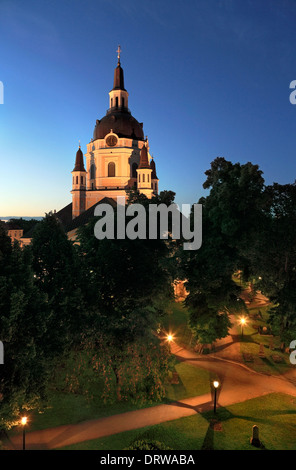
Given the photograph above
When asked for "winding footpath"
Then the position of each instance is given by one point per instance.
(238, 383)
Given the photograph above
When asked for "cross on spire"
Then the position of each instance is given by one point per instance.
(118, 53)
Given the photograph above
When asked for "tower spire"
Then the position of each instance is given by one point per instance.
(118, 54)
(118, 74)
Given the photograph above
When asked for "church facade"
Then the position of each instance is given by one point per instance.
(117, 157)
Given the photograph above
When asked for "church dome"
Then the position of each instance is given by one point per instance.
(122, 123)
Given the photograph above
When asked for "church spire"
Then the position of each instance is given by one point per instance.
(79, 164)
(118, 96)
(118, 83)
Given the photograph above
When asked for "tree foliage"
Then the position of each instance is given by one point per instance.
(230, 216)
(23, 321)
(274, 257)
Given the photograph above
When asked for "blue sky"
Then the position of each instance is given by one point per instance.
(207, 78)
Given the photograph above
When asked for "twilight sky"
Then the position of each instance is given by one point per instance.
(207, 78)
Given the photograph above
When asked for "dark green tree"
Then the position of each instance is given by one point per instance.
(23, 324)
(128, 285)
(58, 275)
(230, 221)
(274, 258)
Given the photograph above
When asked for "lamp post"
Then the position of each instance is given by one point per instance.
(169, 339)
(216, 385)
(24, 422)
(243, 321)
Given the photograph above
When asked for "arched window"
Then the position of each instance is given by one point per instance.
(111, 169)
(134, 170)
(116, 101)
(143, 178)
(122, 102)
(81, 179)
(92, 171)
(76, 179)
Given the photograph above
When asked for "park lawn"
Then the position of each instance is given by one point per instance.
(274, 414)
(193, 381)
(250, 344)
(69, 408)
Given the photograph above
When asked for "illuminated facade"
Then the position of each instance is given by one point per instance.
(117, 157)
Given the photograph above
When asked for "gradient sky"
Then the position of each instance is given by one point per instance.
(207, 78)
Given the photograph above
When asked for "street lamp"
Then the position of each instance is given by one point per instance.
(24, 422)
(243, 321)
(216, 385)
(170, 338)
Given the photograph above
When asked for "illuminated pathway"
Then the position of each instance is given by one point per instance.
(238, 383)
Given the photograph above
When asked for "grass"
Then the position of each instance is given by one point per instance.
(251, 341)
(275, 414)
(69, 408)
(192, 382)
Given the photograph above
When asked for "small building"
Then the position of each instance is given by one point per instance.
(14, 231)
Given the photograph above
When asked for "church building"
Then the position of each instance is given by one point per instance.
(117, 157)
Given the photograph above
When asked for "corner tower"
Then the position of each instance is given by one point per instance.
(144, 173)
(78, 185)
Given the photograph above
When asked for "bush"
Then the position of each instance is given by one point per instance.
(147, 444)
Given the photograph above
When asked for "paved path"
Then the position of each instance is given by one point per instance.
(238, 383)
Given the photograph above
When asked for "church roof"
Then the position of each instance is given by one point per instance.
(118, 83)
(144, 162)
(79, 164)
(64, 215)
(153, 167)
(87, 215)
(121, 122)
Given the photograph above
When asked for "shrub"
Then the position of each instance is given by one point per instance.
(147, 444)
